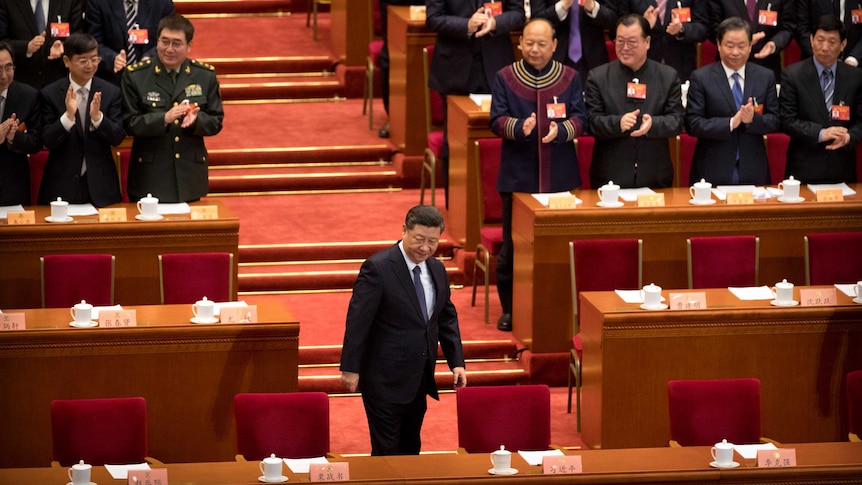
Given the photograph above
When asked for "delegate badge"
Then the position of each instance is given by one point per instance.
(683, 13)
(840, 112)
(636, 90)
(767, 17)
(60, 29)
(556, 110)
(496, 8)
(139, 36)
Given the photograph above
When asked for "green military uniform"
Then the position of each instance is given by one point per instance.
(169, 161)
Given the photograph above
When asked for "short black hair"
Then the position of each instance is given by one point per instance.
(79, 43)
(4, 46)
(424, 215)
(730, 24)
(177, 22)
(829, 23)
(630, 19)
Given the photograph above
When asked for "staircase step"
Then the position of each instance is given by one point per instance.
(301, 155)
(249, 87)
(269, 179)
(315, 251)
(501, 350)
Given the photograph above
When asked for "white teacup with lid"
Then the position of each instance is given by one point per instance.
(82, 313)
(783, 291)
(700, 192)
(609, 193)
(722, 453)
(204, 310)
(59, 209)
(271, 468)
(501, 460)
(79, 473)
(148, 207)
(651, 295)
(789, 189)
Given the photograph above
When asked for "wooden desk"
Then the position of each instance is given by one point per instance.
(135, 244)
(821, 463)
(187, 373)
(800, 354)
(350, 30)
(542, 292)
(407, 84)
(467, 123)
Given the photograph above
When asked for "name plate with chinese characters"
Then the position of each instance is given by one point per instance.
(118, 318)
(651, 200)
(200, 212)
(114, 214)
(688, 301)
(329, 472)
(245, 314)
(817, 297)
(21, 218)
(561, 465)
(156, 476)
(562, 202)
(782, 457)
(12, 321)
(740, 198)
(830, 195)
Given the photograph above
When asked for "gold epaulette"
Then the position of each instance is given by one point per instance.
(202, 65)
(139, 65)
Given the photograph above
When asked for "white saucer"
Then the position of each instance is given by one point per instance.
(84, 325)
(708, 202)
(714, 464)
(278, 480)
(142, 217)
(510, 471)
(791, 201)
(857, 300)
(789, 303)
(89, 483)
(662, 306)
(618, 203)
(204, 320)
(51, 219)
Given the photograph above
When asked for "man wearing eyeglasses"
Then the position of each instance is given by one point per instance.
(83, 119)
(171, 103)
(19, 132)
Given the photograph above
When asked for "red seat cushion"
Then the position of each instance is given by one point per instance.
(517, 417)
(374, 48)
(492, 238)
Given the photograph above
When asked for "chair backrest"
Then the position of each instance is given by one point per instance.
(854, 402)
(99, 431)
(433, 99)
(703, 412)
(707, 54)
(188, 277)
(833, 257)
(69, 278)
(291, 425)
(604, 265)
(612, 55)
(776, 155)
(38, 161)
(685, 156)
(791, 54)
(517, 417)
(722, 261)
(121, 160)
(584, 147)
(488, 165)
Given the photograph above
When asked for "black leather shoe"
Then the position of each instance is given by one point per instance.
(505, 322)
(383, 132)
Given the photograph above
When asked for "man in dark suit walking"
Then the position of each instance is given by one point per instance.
(399, 311)
(19, 132)
(83, 119)
(731, 105)
(821, 110)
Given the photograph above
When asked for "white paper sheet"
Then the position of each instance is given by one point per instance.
(753, 293)
(631, 195)
(301, 465)
(120, 472)
(228, 304)
(534, 458)
(749, 452)
(82, 210)
(846, 289)
(6, 209)
(632, 296)
(721, 191)
(545, 198)
(478, 98)
(97, 309)
(181, 208)
(845, 189)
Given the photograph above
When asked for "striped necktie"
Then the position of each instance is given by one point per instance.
(828, 84)
(131, 20)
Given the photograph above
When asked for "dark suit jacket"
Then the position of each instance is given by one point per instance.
(807, 13)
(780, 34)
(804, 114)
(707, 116)
(68, 148)
(633, 161)
(453, 52)
(14, 169)
(106, 20)
(18, 27)
(387, 340)
(593, 49)
(679, 52)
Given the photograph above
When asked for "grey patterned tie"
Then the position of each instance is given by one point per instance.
(828, 84)
(131, 20)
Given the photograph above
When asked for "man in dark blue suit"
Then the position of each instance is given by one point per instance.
(83, 119)
(731, 104)
(399, 311)
(106, 20)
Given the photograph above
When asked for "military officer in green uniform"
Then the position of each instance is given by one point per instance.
(171, 103)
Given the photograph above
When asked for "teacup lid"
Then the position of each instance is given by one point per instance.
(59, 201)
(611, 185)
(81, 465)
(703, 183)
(272, 459)
(204, 301)
(502, 451)
(149, 198)
(724, 444)
(784, 282)
(652, 286)
(82, 304)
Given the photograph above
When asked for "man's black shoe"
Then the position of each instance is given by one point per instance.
(384, 131)
(505, 322)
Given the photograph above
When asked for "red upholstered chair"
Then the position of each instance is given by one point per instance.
(703, 412)
(517, 417)
(37, 170)
(584, 147)
(833, 257)
(291, 425)
(598, 265)
(490, 212)
(99, 431)
(776, 155)
(433, 118)
(69, 278)
(188, 277)
(854, 404)
(374, 48)
(707, 53)
(612, 55)
(791, 54)
(685, 145)
(722, 261)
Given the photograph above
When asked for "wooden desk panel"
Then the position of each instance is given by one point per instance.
(801, 356)
(350, 30)
(542, 294)
(187, 373)
(135, 244)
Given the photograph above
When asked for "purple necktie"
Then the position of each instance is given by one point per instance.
(574, 33)
(420, 291)
(752, 7)
(661, 5)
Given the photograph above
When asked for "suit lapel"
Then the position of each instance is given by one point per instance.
(811, 82)
(721, 81)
